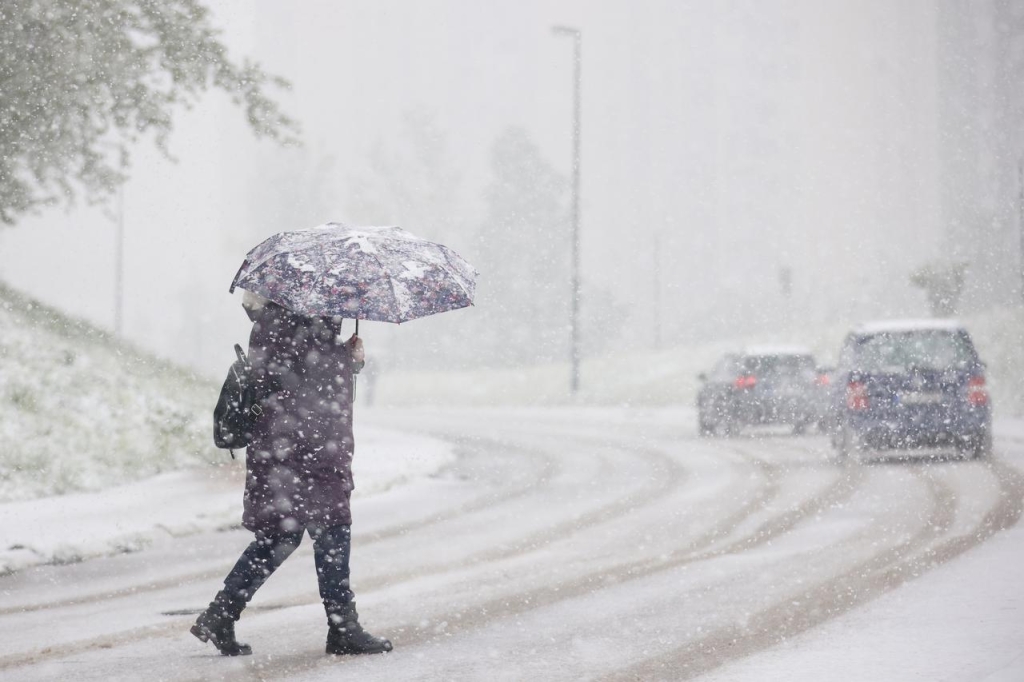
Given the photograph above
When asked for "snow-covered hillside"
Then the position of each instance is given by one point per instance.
(105, 449)
(81, 410)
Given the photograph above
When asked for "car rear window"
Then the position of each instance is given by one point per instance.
(924, 349)
(763, 365)
(726, 369)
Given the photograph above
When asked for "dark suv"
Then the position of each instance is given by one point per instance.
(909, 385)
(759, 386)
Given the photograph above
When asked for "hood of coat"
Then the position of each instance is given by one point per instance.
(255, 305)
(261, 309)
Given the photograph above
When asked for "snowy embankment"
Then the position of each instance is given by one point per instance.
(126, 518)
(104, 449)
(81, 411)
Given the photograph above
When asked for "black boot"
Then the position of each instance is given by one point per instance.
(345, 636)
(217, 625)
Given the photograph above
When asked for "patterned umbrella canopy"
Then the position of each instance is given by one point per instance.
(383, 274)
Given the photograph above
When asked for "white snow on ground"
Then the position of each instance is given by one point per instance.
(961, 621)
(79, 526)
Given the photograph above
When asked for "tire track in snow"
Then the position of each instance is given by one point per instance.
(479, 445)
(544, 471)
(770, 473)
(669, 476)
(855, 587)
(541, 468)
(839, 491)
(1004, 515)
(666, 477)
(845, 590)
(481, 614)
(665, 485)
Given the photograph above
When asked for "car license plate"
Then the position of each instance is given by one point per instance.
(921, 398)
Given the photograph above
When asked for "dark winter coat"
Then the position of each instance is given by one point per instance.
(299, 463)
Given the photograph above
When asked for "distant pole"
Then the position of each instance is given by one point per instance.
(657, 290)
(574, 352)
(119, 264)
(786, 280)
(786, 287)
(1020, 223)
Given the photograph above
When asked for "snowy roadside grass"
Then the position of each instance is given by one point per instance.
(641, 378)
(655, 378)
(130, 517)
(82, 411)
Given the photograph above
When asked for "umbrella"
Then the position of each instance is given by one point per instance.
(383, 274)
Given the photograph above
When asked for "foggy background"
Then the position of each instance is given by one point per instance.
(726, 148)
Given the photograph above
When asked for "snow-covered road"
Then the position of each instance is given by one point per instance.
(586, 544)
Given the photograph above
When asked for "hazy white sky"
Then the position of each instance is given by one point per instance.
(751, 135)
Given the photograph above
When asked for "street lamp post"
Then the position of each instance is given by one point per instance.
(119, 264)
(1020, 224)
(574, 352)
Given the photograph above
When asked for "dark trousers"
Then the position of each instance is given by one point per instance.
(331, 549)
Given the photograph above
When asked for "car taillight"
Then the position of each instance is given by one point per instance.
(856, 396)
(747, 381)
(822, 380)
(976, 392)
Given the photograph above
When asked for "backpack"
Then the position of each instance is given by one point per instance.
(238, 407)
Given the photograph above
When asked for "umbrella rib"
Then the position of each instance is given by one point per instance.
(234, 281)
(444, 251)
(251, 273)
(391, 284)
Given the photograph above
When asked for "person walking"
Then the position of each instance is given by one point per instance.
(298, 473)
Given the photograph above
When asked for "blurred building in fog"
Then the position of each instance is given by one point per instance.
(805, 141)
(981, 63)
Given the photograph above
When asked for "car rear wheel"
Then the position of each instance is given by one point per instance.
(704, 427)
(979, 447)
(800, 427)
(849, 445)
(729, 426)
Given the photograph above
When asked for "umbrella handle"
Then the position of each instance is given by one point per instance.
(357, 326)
